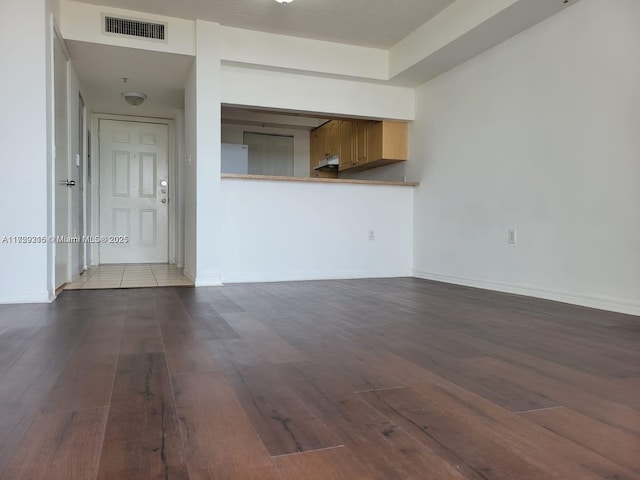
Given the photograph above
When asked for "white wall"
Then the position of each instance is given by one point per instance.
(540, 134)
(296, 92)
(179, 194)
(232, 133)
(83, 22)
(303, 54)
(276, 231)
(189, 178)
(209, 204)
(26, 156)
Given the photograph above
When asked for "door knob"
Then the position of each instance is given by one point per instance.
(164, 200)
(163, 183)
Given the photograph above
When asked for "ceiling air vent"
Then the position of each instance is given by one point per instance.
(134, 28)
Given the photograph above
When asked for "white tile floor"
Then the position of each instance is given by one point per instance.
(130, 276)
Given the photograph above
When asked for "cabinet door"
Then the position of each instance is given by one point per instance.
(347, 144)
(374, 141)
(332, 138)
(313, 152)
(394, 140)
(387, 141)
(362, 143)
(317, 150)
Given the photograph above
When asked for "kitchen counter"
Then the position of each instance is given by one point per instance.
(318, 180)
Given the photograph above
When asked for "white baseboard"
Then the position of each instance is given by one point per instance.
(264, 277)
(213, 281)
(27, 297)
(210, 281)
(603, 303)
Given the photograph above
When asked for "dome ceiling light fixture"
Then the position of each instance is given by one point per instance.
(284, 2)
(134, 98)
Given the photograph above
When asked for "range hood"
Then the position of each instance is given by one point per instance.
(328, 164)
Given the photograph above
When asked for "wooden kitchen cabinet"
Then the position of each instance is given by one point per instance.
(319, 149)
(317, 143)
(377, 144)
(360, 144)
(387, 142)
(332, 139)
(347, 150)
(356, 146)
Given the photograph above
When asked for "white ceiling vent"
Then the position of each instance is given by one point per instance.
(134, 28)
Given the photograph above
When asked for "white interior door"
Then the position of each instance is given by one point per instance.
(62, 191)
(134, 192)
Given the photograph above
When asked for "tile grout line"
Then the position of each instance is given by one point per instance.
(154, 276)
(137, 276)
(100, 270)
(172, 276)
(84, 276)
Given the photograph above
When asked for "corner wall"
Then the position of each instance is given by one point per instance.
(202, 197)
(539, 134)
(189, 179)
(26, 149)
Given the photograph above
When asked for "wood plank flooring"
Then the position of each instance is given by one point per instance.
(379, 379)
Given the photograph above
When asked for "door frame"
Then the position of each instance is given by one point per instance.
(175, 217)
(57, 37)
(84, 159)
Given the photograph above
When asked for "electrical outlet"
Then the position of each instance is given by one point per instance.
(372, 234)
(511, 236)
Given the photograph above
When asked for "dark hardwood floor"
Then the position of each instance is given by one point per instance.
(383, 379)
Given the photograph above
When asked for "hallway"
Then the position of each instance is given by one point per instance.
(130, 276)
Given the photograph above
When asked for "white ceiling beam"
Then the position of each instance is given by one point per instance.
(270, 50)
(461, 31)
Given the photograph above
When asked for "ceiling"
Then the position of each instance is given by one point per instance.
(371, 23)
(161, 76)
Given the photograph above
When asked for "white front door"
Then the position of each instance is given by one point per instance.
(134, 192)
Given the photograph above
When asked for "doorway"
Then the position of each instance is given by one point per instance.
(61, 161)
(78, 262)
(134, 192)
